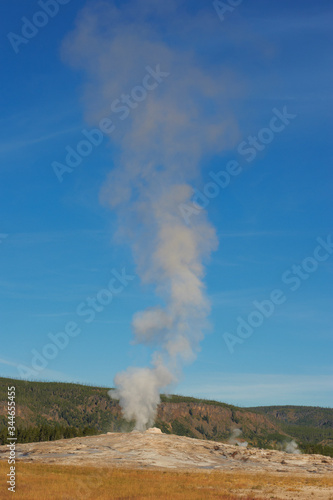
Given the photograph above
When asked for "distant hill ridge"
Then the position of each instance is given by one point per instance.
(50, 410)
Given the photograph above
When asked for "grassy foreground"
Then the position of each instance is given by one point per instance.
(71, 482)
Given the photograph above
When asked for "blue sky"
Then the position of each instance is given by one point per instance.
(57, 240)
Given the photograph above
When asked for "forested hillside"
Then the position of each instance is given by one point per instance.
(54, 410)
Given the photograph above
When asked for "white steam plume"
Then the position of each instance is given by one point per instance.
(236, 433)
(138, 390)
(161, 144)
(291, 447)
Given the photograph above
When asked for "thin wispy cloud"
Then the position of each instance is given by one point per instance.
(7, 147)
(48, 375)
(263, 388)
(37, 238)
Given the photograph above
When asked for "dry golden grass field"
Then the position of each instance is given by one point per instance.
(46, 482)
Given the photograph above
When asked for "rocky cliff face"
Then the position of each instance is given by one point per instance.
(206, 421)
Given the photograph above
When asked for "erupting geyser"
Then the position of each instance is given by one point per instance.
(160, 142)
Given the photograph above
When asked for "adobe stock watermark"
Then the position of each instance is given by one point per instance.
(83, 489)
(87, 309)
(222, 8)
(30, 28)
(122, 107)
(3, 237)
(293, 278)
(248, 148)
